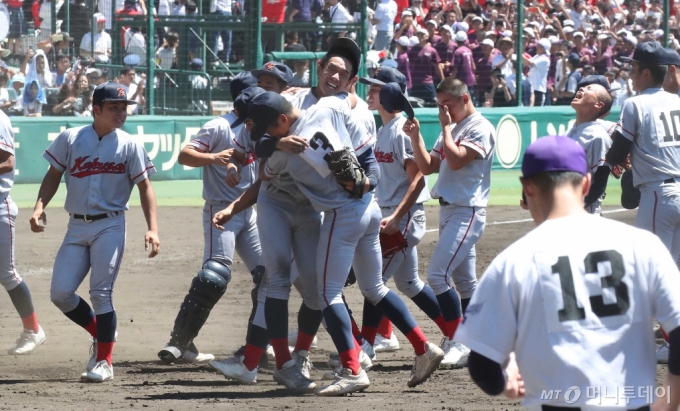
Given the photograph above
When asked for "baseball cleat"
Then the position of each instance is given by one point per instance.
(424, 365)
(365, 361)
(193, 356)
(167, 355)
(383, 344)
(455, 354)
(27, 342)
(292, 339)
(234, 369)
(662, 353)
(303, 361)
(345, 383)
(368, 349)
(271, 356)
(101, 372)
(92, 362)
(290, 376)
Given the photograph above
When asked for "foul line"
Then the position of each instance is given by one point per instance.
(526, 220)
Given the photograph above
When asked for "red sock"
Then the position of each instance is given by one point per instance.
(31, 323)
(280, 346)
(350, 360)
(104, 351)
(385, 328)
(355, 330)
(452, 326)
(417, 340)
(357, 348)
(441, 323)
(665, 336)
(304, 341)
(92, 328)
(252, 355)
(369, 334)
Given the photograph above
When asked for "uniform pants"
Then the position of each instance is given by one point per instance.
(9, 278)
(239, 234)
(659, 212)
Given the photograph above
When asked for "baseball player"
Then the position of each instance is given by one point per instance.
(647, 131)
(211, 149)
(672, 82)
(558, 295)
(349, 233)
(101, 164)
(463, 155)
(589, 103)
(401, 192)
(33, 335)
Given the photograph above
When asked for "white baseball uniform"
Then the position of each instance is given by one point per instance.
(393, 147)
(100, 175)
(651, 120)
(463, 195)
(595, 140)
(9, 277)
(577, 310)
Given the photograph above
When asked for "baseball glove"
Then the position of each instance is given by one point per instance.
(630, 195)
(346, 168)
(392, 244)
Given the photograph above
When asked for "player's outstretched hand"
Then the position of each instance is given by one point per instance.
(412, 128)
(233, 178)
(292, 144)
(222, 217)
(223, 157)
(36, 220)
(389, 225)
(514, 386)
(151, 239)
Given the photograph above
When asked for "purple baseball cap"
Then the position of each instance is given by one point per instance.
(554, 153)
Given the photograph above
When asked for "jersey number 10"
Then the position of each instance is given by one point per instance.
(571, 310)
(674, 118)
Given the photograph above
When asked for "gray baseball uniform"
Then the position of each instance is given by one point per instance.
(9, 278)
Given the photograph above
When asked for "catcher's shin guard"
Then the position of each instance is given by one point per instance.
(257, 273)
(206, 290)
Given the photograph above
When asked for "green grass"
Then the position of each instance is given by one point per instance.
(505, 190)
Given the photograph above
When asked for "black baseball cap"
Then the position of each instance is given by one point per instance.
(392, 98)
(346, 48)
(110, 91)
(574, 59)
(276, 69)
(263, 110)
(595, 79)
(240, 82)
(384, 75)
(672, 58)
(650, 52)
(243, 101)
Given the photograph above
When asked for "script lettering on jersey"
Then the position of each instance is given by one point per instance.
(83, 168)
(382, 157)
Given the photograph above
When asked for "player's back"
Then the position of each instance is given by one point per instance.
(584, 307)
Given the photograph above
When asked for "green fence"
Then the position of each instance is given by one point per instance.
(164, 137)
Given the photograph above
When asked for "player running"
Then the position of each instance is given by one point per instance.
(102, 165)
(33, 335)
(463, 155)
(559, 296)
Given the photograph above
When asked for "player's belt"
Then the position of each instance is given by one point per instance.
(556, 408)
(91, 218)
(669, 181)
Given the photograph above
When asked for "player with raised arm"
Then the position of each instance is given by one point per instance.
(559, 296)
(100, 164)
(463, 155)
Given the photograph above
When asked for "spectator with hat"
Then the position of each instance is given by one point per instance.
(445, 48)
(581, 49)
(407, 27)
(58, 45)
(605, 54)
(431, 27)
(463, 65)
(424, 64)
(503, 60)
(403, 65)
(197, 82)
(98, 45)
(538, 73)
(383, 19)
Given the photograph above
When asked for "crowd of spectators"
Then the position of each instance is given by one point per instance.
(42, 72)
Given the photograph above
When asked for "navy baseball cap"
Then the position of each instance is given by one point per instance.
(346, 48)
(196, 64)
(110, 91)
(389, 63)
(650, 52)
(384, 75)
(392, 98)
(595, 79)
(240, 82)
(574, 59)
(672, 58)
(243, 101)
(554, 153)
(276, 69)
(264, 109)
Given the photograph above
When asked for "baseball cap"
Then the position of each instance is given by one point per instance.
(414, 41)
(446, 27)
(63, 36)
(488, 42)
(490, 33)
(574, 59)
(392, 98)
(434, 23)
(594, 79)
(568, 29)
(264, 109)
(110, 91)
(506, 40)
(243, 101)
(529, 32)
(276, 69)
(462, 26)
(131, 60)
(196, 63)
(545, 43)
(568, 23)
(507, 33)
(240, 82)
(404, 41)
(477, 18)
(554, 153)
(346, 48)
(579, 34)
(389, 63)
(658, 34)
(406, 13)
(630, 39)
(651, 52)
(99, 17)
(422, 31)
(461, 37)
(672, 58)
(384, 75)
(603, 36)
(93, 70)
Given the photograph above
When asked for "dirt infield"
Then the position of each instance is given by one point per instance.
(147, 295)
